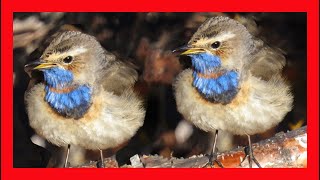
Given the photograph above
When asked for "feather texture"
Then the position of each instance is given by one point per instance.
(118, 75)
(266, 61)
(86, 100)
(260, 97)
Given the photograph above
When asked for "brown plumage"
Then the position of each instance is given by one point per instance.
(248, 96)
(86, 97)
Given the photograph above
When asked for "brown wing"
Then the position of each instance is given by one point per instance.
(118, 75)
(267, 61)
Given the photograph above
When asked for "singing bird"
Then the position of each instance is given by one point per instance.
(235, 83)
(86, 97)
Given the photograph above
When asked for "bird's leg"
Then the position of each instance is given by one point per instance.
(249, 153)
(100, 163)
(213, 154)
(67, 157)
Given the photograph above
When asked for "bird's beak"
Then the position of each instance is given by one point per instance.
(45, 66)
(37, 65)
(187, 50)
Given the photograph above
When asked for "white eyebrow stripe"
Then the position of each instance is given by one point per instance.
(224, 36)
(77, 51)
(221, 38)
(73, 52)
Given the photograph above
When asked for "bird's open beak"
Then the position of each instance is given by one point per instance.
(187, 50)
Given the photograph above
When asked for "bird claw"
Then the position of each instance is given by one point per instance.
(100, 164)
(213, 159)
(66, 165)
(247, 154)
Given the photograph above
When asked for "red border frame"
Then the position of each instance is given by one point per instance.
(309, 6)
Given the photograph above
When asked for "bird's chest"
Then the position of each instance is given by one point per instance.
(217, 87)
(70, 101)
(66, 98)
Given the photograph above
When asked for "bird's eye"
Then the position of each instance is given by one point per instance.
(215, 45)
(68, 59)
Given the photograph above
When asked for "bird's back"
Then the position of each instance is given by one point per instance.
(267, 61)
(117, 75)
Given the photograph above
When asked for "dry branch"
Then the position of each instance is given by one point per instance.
(283, 150)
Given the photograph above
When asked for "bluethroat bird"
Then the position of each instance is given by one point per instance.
(235, 82)
(86, 97)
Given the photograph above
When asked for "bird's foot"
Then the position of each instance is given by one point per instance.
(249, 154)
(66, 165)
(100, 164)
(213, 159)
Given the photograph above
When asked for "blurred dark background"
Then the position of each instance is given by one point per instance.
(147, 39)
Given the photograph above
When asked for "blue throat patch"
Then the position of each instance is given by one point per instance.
(65, 98)
(205, 62)
(57, 77)
(221, 88)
